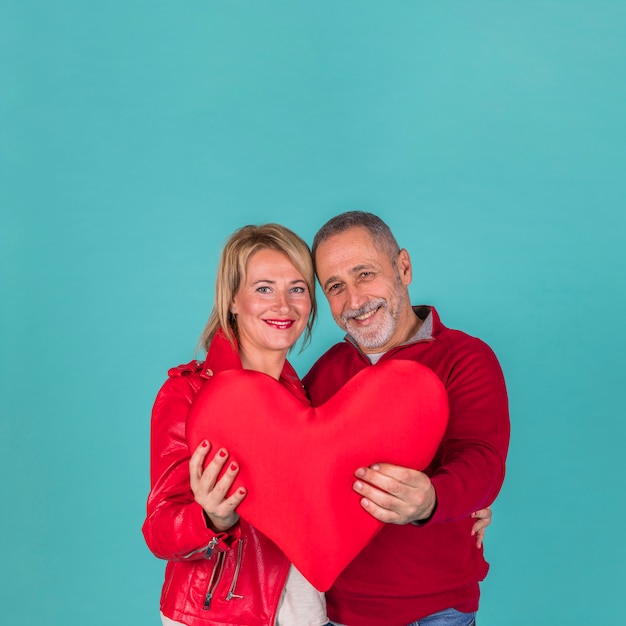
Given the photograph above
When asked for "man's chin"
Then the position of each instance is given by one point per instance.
(369, 341)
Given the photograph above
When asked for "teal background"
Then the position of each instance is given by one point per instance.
(136, 136)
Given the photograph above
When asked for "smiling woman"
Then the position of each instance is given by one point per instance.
(220, 569)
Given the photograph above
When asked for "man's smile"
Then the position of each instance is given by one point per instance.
(365, 316)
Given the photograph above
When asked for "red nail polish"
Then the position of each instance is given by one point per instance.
(205, 444)
(242, 491)
(233, 466)
(222, 453)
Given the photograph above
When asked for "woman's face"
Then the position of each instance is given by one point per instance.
(272, 305)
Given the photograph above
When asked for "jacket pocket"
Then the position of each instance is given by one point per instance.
(221, 569)
(216, 576)
(231, 595)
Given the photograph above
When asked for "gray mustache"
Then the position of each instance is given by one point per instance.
(368, 307)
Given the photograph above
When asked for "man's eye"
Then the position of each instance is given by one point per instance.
(334, 287)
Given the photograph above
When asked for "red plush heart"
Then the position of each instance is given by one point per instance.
(298, 462)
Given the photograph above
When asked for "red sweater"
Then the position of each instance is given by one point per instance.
(408, 572)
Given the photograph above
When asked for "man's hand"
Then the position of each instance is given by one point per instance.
(394, 494)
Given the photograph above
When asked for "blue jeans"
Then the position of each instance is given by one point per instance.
(449, 617)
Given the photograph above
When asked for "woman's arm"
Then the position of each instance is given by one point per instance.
(175, 527)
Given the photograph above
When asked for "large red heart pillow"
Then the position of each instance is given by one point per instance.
(298, 461)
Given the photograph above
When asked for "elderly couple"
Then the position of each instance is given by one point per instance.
(425, 566)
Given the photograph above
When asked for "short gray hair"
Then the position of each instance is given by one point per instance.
(379, 231)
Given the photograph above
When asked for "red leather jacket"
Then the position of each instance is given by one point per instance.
(233, 578)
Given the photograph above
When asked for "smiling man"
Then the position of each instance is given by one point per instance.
(423, 568)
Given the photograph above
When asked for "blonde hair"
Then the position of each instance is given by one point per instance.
(231, 274)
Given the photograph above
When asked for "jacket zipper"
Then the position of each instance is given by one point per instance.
(208, 553)
(216, 574)
(231, 592)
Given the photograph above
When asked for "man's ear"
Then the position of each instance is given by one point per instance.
(405, 269)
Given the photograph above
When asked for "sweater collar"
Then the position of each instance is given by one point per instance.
(427, 331)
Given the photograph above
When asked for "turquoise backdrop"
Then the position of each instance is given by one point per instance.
(136, 136)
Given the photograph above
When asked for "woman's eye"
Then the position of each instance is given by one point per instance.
(263, 289)
(298, 290)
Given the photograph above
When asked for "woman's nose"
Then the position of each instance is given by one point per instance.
(282, 302)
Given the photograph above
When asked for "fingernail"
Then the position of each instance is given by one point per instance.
(365, 502)
(242, 491)
(358, 485)
(233, 466)
(376, 468)
(360, 472)
(222, 453)
(205, 443)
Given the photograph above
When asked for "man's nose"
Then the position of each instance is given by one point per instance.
(355, 297)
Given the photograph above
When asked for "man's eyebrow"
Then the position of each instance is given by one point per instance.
(354, 270)
(332, 279)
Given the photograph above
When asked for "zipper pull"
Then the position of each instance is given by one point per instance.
(210, 548)
(232, 595)
(207, 601)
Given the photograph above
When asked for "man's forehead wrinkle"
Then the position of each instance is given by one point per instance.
(353, 270)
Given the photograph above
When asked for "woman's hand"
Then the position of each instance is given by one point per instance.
(483, 519)
(210, 492)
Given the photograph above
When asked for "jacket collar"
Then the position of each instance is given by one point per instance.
(222, 355)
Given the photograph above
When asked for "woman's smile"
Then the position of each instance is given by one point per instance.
(280, 324)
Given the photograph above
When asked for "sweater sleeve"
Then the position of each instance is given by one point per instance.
(175, 527)
(470, 465)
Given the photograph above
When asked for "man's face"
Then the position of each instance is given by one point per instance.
(366, 290)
